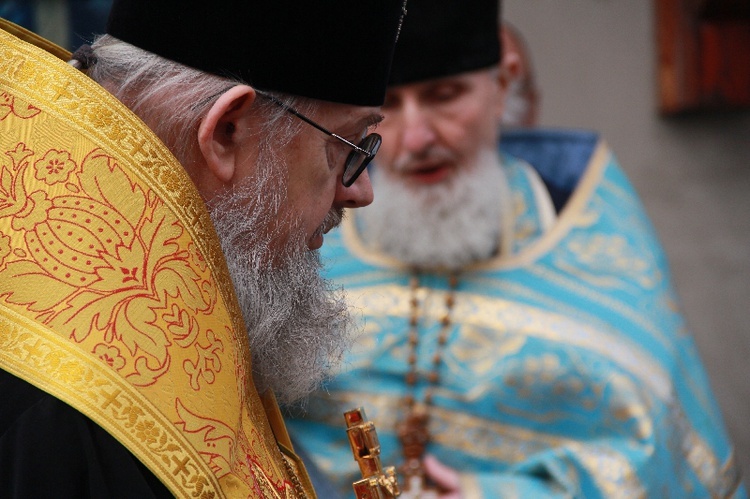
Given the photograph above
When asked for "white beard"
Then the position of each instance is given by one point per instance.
(448, 225)
(297, 324)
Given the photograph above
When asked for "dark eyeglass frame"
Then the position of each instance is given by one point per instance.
(361, 154)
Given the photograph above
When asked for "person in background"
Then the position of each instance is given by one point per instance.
(164, 194)
(521, 336)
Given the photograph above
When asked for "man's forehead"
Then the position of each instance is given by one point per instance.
(352, 116)
(426, 85)
(372, 118)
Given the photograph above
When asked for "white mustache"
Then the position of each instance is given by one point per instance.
(435, 154)
(332, 219)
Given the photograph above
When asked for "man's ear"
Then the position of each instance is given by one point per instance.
(503, 78)
(510, 69)
(217, 132)
(510, 66)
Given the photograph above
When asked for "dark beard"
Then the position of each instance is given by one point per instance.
(297, 323)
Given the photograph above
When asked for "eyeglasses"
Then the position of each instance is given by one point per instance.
(361, 154)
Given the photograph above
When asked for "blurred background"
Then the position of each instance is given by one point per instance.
(628, 70)
(597, 65)
(69, 23)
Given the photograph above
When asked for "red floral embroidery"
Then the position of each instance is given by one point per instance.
(54, 167)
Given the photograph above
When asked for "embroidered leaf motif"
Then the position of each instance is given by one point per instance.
(135, 327)
(174, 275)
(25, 283)
(103, 180)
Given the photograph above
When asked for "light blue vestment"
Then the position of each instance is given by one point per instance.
(568, 370)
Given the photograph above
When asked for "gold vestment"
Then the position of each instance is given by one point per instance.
(114, 295)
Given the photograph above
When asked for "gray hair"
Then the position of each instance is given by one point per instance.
(172, 98)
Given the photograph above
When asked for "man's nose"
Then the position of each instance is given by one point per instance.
(417, 132)
(357, 195)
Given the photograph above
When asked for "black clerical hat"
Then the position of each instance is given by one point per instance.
(333, 50)
(446, 37)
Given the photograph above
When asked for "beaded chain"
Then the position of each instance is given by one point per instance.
(433, 377)
(413, 430)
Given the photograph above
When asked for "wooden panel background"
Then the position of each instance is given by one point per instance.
(703, 54)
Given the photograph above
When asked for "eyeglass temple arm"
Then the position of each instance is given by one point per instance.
(307, 120)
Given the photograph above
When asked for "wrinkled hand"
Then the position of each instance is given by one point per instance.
(446, 478)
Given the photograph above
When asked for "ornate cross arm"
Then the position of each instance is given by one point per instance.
(376, 482)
